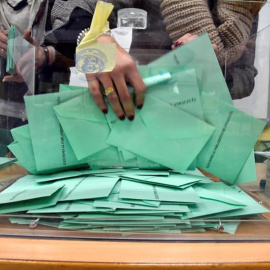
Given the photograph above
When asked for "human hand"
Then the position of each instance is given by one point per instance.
(3, 42)
(187, 38)
(24, 66)
(115, 84)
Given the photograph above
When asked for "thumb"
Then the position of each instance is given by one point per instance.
(27, 37)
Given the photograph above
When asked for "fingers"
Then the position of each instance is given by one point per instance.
(183, 40)
(3, 42)
(112, 95)
(215, 47)
(27, 37)
(94, 88)
(138, 86)
(115, 84)
(23, 69)
(124, 97)
(187, 38)
(3, 51)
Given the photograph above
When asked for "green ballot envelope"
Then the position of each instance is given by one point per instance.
(200, 56)
(163, 134)
(26, 199)
(141, 191)
(69, 207)
(51, 147)
(12, 33)
(161, 207)
(84, 125)
(23, 147)
(219, 192)
(28, 194)
(229, 148)
(16, 48)
(251, 207)
(28, 164)
(182, 92)
(207, 207)
(87, 188)
(175, 180)
(248, 171)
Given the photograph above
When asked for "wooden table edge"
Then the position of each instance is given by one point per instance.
(113, 252)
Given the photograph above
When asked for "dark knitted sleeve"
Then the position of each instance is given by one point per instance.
(68, 18)
(240, 75)
(67, 35)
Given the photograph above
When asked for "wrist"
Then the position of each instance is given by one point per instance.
(49, 56)
(106, 39)
(51, 51)
(46, 56)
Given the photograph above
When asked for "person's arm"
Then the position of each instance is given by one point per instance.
(228, 24)
(120, 99)
(66, 35)
(240, 74)
(124, 71)
(44, 56)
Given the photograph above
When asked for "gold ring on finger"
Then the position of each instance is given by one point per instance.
(108, 91)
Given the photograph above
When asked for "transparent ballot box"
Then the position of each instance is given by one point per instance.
(145, 140)
(20, 56)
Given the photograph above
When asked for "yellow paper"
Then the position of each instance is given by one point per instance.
(91, 55)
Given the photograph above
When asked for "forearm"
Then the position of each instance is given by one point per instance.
(186, 16)
(227, 25)
(63, 61)
(54, 57)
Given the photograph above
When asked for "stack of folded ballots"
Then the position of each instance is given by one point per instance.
(129, 200)
(186, 122)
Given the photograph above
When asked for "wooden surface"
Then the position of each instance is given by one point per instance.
(131, 253)
(26, 253)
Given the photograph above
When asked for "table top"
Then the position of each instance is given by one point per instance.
(43, 253)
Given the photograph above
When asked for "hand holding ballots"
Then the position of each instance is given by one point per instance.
(187, 121)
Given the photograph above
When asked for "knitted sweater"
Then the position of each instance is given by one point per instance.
(228, 23)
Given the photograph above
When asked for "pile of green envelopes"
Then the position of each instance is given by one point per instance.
(186, 122)
(131, 200)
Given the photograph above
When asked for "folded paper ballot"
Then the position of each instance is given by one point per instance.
(87, 188)
(28, 194)
(22, 148)
(12, 33)
(133, 190)
(248, 171)
(163, 134)
(52, 150)
(18, 48)
(208, 73)
(25, 199)
(81, 113)
(235, 135)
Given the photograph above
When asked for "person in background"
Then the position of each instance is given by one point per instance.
(42, 23)
(66, 27)
(230, 24)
